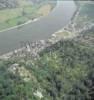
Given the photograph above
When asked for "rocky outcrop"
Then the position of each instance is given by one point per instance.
(30, 49)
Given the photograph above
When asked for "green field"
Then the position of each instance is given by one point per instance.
(12, 17)
(20, 15)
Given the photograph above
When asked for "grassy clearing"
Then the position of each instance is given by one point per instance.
(9, 14)
(13, 17)
(45, 10)
(65, 34)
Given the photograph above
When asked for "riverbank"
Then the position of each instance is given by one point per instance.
(68, 31)
(32, 49)
(19, 26)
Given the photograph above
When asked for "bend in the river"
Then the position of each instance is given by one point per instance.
(41, 29)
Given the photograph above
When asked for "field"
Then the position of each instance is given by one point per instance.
(44, 10)
(22, 14)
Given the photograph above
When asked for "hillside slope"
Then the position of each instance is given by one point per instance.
(63, 71)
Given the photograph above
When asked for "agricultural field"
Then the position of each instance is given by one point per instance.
(24, 12)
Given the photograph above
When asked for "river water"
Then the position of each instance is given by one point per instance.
(41, 29)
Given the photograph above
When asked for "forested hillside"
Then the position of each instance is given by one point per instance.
(64, 71)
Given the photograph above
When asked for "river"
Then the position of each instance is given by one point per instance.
(41, 29)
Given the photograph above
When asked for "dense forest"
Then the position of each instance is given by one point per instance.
(64, 71)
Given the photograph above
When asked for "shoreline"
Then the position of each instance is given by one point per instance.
(29, 48)
(35, 47)
(18, 26)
